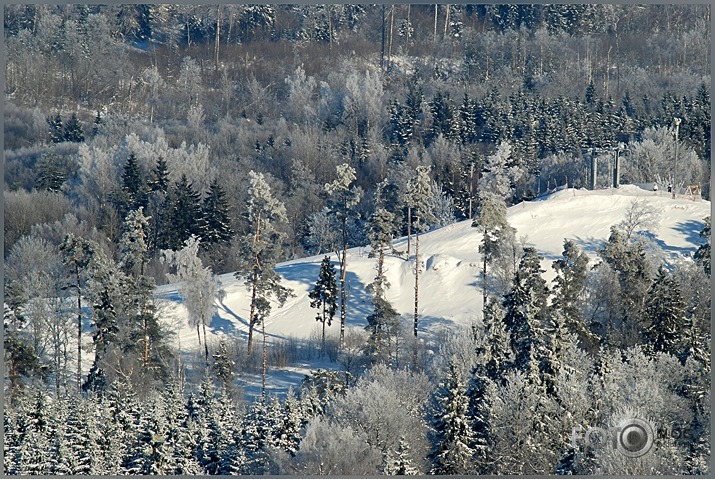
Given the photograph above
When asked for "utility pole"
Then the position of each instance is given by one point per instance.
(676, 120)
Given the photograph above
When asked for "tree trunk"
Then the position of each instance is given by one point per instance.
(417, 271)
(434, 38)
(343, 275)
(251, 318)
(218, 32)
(409, 229)
(254, 292)
(484, 277)
(79, 330)
(343, 295)
(265, 362)
(206, 346)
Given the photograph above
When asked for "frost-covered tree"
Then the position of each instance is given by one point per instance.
(500, 174)
(260, 249)
(330, 447)
(640, 216)
(324, 295)
(342, 200)
(198, 286)
(524, 428)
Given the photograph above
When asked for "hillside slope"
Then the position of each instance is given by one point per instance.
(449, 285)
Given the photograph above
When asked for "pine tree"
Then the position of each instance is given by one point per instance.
(324, 295)
(380, 232)
(453, 434)
(73, 130)
(106, 291)
(78, 253)
(261, 248)
(418, 197)
(491, 219)
(342, 199)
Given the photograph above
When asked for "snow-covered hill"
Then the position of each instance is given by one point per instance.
(449, 285)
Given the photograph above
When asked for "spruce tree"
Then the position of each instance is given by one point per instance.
(131, 195)
(398, 462)
(453, 434)
(158, 205)
(702, 255)
(567, 301)
(223, 366)
(184, 214)
(324, 295)
(342, 199)
(260, 250)
(630, 262)
(527, 320)
(665, 311)
(216, 222)
(73, 130)
(56, 130)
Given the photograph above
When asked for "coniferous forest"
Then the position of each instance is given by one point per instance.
(155, 144)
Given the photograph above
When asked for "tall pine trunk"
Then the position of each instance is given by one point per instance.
(206, 346)
(79, 329)
(343, 275)
(409, 229)
(265, 362)
(254, 288)
(417, 271)
(484, 277)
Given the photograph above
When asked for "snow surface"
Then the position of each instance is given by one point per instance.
(450, 295)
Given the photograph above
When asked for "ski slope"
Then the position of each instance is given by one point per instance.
(450, 295)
